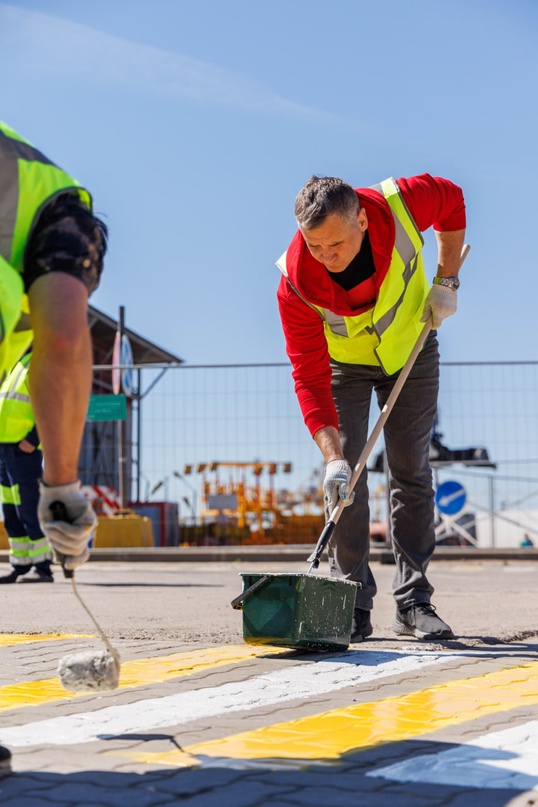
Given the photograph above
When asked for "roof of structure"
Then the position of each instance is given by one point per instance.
(103, 330)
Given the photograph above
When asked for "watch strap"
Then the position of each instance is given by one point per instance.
(450, 282)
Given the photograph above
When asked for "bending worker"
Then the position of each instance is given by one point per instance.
(352, 300)
(51, 258)
(21, 468)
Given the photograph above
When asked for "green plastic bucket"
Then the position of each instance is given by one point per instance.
(298, 611)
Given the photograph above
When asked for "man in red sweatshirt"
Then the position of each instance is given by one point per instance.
(353, 300)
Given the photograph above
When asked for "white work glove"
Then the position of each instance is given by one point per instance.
(336, 484)
(69, 538)
(440, 303)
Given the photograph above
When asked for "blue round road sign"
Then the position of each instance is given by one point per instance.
(450, 498)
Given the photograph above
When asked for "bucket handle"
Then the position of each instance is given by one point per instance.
(237, 602)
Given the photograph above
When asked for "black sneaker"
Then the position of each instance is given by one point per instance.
(5, 762)
(37, 576)
(361, 627)
(10, 578)
(421, 621)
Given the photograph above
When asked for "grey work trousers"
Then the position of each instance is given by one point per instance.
(407, 439)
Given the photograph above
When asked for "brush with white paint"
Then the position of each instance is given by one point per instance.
(89, 672)
(86, 672)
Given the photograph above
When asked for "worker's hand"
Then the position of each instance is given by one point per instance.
(26, 447)
(68, 521)
(336, 484)
(440, 303)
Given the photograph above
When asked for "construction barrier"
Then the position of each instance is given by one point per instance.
(124, 529)
(291, 530)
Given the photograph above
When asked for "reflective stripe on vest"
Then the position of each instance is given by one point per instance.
(400, 300)
(16, 414)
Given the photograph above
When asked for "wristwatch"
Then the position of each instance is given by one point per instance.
(450, 282)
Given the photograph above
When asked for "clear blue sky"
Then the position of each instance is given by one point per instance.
(195, 123)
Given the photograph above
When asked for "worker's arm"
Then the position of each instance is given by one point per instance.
(60, 372)
(449, 247)
(306, 346)
(60, 382)
(328, 441)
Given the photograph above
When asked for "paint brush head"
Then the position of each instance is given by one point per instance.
(89, 672)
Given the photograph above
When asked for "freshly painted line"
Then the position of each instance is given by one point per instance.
(302, 681)
(504, 760)
(331, 735)
(133, 674)
(9, 639)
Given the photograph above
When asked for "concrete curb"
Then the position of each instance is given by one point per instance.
(290, 553)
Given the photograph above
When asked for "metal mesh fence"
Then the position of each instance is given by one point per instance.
(495, 405)
(236, 430)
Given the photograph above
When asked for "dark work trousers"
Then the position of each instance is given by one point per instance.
(20, 473)
(407, 440)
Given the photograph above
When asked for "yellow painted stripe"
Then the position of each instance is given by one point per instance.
(133, 673)
(330, 735)
(8, 639)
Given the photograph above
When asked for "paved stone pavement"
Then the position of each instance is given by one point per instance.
(203, 718)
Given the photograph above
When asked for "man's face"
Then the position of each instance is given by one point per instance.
(337, 241)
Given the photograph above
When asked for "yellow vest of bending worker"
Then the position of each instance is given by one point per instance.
(390, 329)
(28, 182)
(16, 414)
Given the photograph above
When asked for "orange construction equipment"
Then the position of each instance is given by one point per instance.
(242, 495)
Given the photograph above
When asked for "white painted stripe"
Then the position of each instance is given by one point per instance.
(505, 759)
(301, 681)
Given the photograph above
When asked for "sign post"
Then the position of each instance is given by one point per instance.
(116, 381)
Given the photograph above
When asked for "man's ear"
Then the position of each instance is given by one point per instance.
(362, 220)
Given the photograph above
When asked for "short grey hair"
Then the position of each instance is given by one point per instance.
(322, 196)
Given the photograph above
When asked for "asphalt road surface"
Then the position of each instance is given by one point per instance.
(483, 601)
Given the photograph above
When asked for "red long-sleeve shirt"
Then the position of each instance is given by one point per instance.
(433, 202)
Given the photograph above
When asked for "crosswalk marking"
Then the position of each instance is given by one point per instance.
(9, 639)
(134, 673)
(506, 759)
(300, 681)
(503, 760)
(330, 735)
